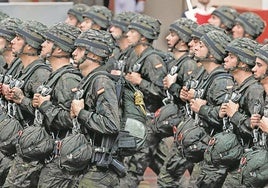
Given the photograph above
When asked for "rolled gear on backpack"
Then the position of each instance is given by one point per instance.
(224, 149)
(254, 168)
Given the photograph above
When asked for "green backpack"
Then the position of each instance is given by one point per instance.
(75, 152)
(34, 143)
(254, 168)
(165, 118)
(192, 139)
(224, 149)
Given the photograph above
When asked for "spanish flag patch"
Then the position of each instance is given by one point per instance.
(158, 65)
(100, 91)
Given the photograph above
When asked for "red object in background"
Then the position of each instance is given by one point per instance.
(263, 14)
(201, 19)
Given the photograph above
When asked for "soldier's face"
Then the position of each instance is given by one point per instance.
(86, 24)
(201, 51)
(2, 43)
(71, 20)
(116, 32)
(78, 54)
(192, 44)
(260, 68)
(46, 48)
(238, 31)
(133, 36)
(172, 39)
(214, 20)
(230, 61)
(17, 44)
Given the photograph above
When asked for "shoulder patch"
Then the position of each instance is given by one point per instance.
(158, 65)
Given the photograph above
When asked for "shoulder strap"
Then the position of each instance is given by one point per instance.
(37, 65)
(89, 78)
(14, 65)
(246, 85)
(212, 78)
(138, 63)
(52, 80)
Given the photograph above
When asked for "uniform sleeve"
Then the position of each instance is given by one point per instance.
(215, 97)
(102, 114)
(57, 114)
(38, 78)
(153, 72)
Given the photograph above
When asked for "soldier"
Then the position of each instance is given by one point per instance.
(96, 17)
(54, 106)
(249, 25)
(146, 73)
(12, 65)
(237, 109)
(224, 17)
(74, 14)
(98, 111)
(179, 70)
(27, 45)
(122, 51)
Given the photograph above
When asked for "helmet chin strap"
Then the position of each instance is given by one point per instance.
(84, 58)
(20, 52)
(204, 59)
(56, 56)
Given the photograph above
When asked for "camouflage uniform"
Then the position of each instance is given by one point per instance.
(56, 111)
(176, 164)
(100, 117)
(152, 70)
(24, 172)
(250, 90)
(254, 93)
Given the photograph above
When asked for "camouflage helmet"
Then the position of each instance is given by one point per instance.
(200, 30)
(252, 23)
(3, 15)
(8, 28)
(184, 28)
(147, 26)
(227, 15)
(33, 33)
(262, 53)
(63, 35)
(122, 20)
(216, 42)
(77, 10)
(244, 49)
(98, 42)
(101, 15)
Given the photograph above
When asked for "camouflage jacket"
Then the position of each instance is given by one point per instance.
(100, 116)
(152, 71)
(214, 94)
(37, 78)
(184, 67)
(57, 111)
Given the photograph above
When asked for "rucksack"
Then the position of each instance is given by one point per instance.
(253, 169)
(165, 118)
(75, 152)
(192, 139)
(225, 149)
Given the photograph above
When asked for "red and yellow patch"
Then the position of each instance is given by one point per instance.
(100, 91)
